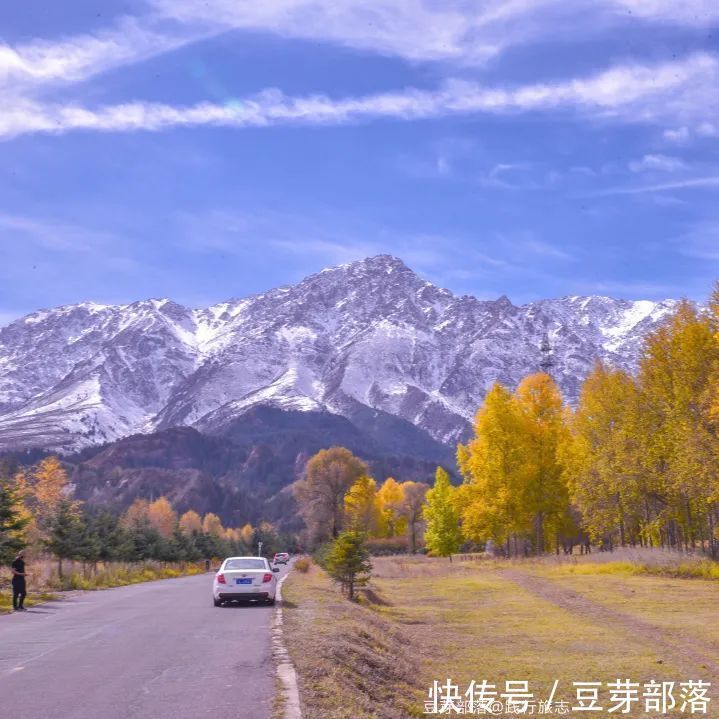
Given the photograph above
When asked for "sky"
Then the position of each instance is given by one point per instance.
(208, 149)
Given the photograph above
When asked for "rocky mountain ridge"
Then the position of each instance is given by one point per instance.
(369, 341)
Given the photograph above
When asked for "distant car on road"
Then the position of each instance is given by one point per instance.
(281, 558)
(244, 579)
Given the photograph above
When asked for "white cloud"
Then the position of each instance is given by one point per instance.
(416, 30)
(708, 182)
(679, 135)
(630, 92)
(464, 31)
(460, 31)
(685, 135)
(694, 13)
(27, 67)
(658, 162)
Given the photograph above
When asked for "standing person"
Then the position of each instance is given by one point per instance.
(18, 582)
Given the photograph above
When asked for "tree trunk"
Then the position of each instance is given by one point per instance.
(712, 544)
(539, 526)
(690, 528)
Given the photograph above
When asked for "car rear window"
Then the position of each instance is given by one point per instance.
(245, 564)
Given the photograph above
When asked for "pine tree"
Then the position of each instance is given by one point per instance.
(105, 528)
(141, 541)
(348, 562)
(12, 522)
(186, 545)
(66, 532)
(442, 536)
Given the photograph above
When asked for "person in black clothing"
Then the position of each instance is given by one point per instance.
(18, 582)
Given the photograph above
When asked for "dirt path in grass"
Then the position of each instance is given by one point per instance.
(693, 655)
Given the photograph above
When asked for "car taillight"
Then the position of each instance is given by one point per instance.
(221, 579)
(267, 577)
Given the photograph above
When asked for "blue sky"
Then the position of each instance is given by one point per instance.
(206, 149)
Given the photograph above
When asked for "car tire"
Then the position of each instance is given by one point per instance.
(271, 602)
(217, 602)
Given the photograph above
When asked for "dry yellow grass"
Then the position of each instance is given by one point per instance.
(533, 620)
(44, 580)
(352, 662)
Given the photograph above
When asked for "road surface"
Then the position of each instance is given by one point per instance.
(158, 650)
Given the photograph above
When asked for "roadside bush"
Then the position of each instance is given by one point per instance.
(302, 565)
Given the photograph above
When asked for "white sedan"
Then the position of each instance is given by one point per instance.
(243, 579)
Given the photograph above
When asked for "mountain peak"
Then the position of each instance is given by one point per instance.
(370, 336)
(370, 265)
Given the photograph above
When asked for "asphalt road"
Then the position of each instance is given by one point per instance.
(149, 651)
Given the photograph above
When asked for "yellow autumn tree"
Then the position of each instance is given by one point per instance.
(494, 465)
(247, 534)
(602, 461)
(162, 516)
(320, 494)
(137, 513)
(211, 524)
(232, 534)
(22, 490)
(543, 429)
(47, 486)
(190, 522)
(390, 497)
(676, 377)
(361, 508)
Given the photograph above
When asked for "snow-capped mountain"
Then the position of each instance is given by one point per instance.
(370, 336)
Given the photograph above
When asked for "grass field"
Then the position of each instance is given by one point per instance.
(44, 583)
(537, 621)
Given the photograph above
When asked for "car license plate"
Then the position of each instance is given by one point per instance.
(243, 581)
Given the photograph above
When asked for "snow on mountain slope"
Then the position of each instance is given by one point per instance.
(371, 333)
